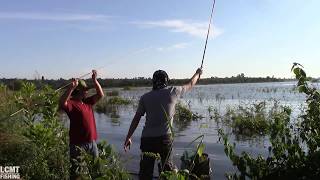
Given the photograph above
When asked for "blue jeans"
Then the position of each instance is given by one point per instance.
(90, 148)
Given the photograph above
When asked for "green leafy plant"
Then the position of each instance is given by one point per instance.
(117, 100)
(250, 121)
(188, 161)
(295, 148)
(42, 150)
(183, 113)
(194, 164)
(107, 166)
(111, 105)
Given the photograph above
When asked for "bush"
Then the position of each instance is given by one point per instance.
(118, 101)
(183, 113)
(250, 121)
(110, 106)
(39, 141)
(39, 144)
(106, 166)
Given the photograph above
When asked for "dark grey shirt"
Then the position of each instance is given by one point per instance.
(159, 107)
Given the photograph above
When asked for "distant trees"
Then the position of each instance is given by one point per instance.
(15, 84)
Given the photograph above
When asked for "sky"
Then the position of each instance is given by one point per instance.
(134, 38)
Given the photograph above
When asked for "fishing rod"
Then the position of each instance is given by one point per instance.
(205, 46)
(204, 52)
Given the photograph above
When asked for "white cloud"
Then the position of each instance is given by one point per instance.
(197, 29)
(53, 16)
(173, 47)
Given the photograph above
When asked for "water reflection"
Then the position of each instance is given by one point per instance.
(115, 121)
(180, 126)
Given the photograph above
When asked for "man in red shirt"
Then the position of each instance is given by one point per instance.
(78, 106)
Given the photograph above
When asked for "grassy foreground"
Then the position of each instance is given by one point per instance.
(36, 140)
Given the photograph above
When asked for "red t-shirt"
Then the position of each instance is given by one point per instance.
(82, 121)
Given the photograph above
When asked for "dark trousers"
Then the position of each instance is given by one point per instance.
(160, 145)
(75, 152)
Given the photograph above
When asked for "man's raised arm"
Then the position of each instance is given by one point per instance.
(193, 80)
(99, 91)
(67, 94)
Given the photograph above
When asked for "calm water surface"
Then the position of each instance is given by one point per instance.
(199, 99)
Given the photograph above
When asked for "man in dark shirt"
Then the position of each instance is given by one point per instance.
(78, 106)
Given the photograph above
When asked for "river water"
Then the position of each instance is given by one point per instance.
(199, 99)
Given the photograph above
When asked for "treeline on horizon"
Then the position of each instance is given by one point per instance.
(15, 84)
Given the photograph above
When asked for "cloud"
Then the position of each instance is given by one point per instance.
(173, 47)
(196, 29)
(53, 16)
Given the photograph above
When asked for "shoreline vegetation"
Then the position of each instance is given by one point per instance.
(127, 83)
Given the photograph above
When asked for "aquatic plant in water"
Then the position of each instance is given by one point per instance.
(292, 154)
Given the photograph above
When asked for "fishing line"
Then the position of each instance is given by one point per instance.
(15, 113)
(82, 76)
(102, 67)
(205, 46)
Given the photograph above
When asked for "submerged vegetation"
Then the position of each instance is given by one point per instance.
(295, 147)
(183, 113)
(117, 100)
(248, 120)
(184, 116)
(110, 104)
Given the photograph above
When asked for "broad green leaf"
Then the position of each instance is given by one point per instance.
(200, 149)
(302, 88)
(296, 71)
(302, 73)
